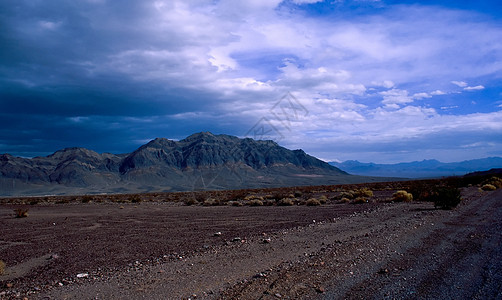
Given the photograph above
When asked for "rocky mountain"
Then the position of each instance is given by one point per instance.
(202, 161)
(419, 169)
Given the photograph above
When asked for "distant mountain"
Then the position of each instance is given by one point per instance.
(202, 161)
(419, 169)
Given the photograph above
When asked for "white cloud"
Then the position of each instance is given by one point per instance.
(438, 93)
(474, 88)
(422, 95)
(396, 96)
(460, 83)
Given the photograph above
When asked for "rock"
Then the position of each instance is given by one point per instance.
(82, 275)
(320, 290)
(236, 239)
(217, 233)
(383, 271)
(266, 241)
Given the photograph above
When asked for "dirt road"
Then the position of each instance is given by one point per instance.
(335, 251)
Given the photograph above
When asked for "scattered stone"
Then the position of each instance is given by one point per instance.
(260, 275)
(236, 239)
(266, 241)
(383, 271)
(217, 233)
(9, 285)
(82, 275)
(320, 290)
(278, 295)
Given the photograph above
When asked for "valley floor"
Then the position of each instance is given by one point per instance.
(333, 251)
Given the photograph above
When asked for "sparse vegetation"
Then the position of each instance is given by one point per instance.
(360, 200)
(446, 197)
(286, 202)
(494, 181)
(135, 198)
(347, 194)
(21, 212)
(255, 202)
(191, 201)
(364, 192)
(323, 199)
(210, 202)
(87, 199)
(2, 267)
(345, 200)
(402, 196)
(313, 202)
(488, 187)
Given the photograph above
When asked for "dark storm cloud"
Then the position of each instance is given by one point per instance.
(109, 75)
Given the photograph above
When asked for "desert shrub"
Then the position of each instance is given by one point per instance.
(323, 199)
(298, 194)
(279, 196)
(364, 192)
(488, 187)
(359, 200)
(237, 195)
(347, 194)
(252, 197)
(269, 203)
(191, 201)
(135, 198)
(313, 202)
(286, 202)
(344, 200)
(402, 196)
(21, 212)
(495, 181)
(34, 202)
(255, 202)
(87, 199)
(421, 191)
(446, 197)
(210, 202)
(2, 267)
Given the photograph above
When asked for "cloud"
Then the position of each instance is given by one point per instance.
(460, 83)
(396, 96)
(139, 69)
(474, 88)
(438, 93)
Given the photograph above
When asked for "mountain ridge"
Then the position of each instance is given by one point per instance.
(427, 168)
(200, 161)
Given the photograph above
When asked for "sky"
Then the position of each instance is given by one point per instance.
(379, 81)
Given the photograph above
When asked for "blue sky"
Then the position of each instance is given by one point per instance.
(381, 81)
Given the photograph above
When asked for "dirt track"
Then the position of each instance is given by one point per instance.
(364, 251)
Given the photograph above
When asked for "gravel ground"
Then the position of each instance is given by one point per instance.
(335, 251)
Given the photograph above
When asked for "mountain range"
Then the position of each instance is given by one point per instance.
(202, 161)
(419, 169)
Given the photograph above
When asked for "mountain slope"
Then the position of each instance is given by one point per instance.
(419, 169)
(200, 161)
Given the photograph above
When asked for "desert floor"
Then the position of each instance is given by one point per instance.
(157, 250)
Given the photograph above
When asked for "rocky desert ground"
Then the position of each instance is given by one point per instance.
(145, 248)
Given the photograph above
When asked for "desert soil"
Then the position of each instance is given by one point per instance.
(333, 251)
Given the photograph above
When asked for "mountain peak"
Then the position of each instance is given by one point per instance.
(220, 161)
